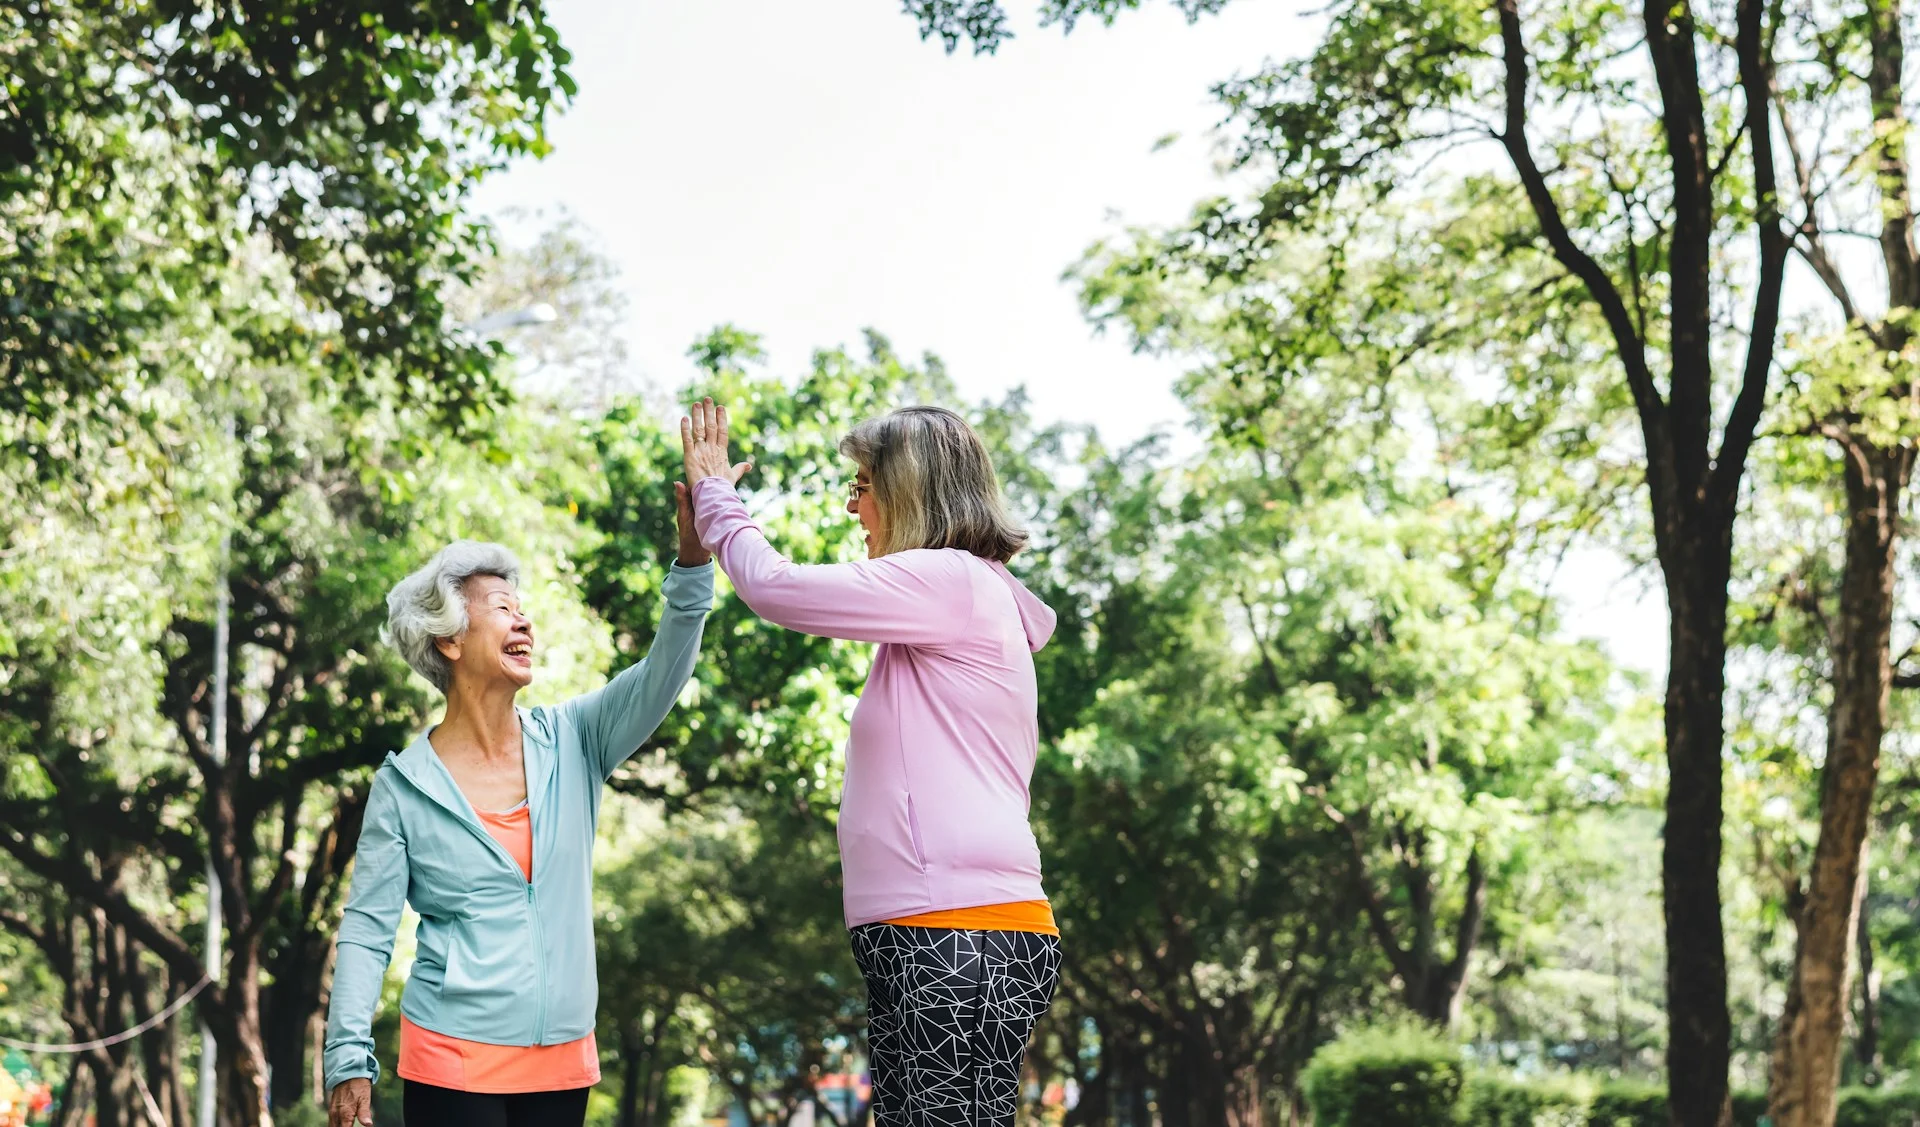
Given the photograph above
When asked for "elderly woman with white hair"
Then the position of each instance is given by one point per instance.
(485, 825)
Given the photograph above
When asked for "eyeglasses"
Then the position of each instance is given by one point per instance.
(855, 489)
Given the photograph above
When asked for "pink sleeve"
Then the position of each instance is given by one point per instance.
(917, 598)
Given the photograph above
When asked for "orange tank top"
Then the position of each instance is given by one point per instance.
(1021, 915)
(433, 1058)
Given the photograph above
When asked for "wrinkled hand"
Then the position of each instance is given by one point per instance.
(692, 554)
(351, 1104)
(703, 438)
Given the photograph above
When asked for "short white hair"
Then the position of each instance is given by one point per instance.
(431, 603)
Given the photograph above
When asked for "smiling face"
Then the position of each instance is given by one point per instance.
(497, 647)
(861, 503)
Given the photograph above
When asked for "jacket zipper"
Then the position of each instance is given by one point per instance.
(540, 969)
(533, 914)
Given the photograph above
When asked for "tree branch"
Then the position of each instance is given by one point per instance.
(1689, 421)
(1756, 80)
(1885, 82)
(283, 873)
(1627, 338)
(1370, 896)
(1810, 243)
(24, 927)
(1466, 931)
(76, 880)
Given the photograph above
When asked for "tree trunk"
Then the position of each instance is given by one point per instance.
(631, 1080)
(116, 1097)
(290, 1006)
(1246, 1105)
(1696, 562)
(243, 1059)
(301, 962)
(1436, 990)
(656, 1087)
(160, 1060)
(1176, 1090)
(76, 1094)
(1211, 1090)
(1804, 1087)
(1867, 1049)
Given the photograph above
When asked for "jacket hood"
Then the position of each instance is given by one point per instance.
(1035, 616)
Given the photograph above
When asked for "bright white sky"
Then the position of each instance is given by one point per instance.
(807, 170)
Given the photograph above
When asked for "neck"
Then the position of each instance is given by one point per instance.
(480, 720)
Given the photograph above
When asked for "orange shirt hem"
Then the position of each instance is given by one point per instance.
(1020, 915)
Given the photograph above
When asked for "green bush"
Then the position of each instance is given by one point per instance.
(1632, 1105)
(1405, 1076)
(1628, 1105)
(1878, 1107)
(1492, 1100)
(1401, 1076)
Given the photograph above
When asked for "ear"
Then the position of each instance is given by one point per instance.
(449, 648)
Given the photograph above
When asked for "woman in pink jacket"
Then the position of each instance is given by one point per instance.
(951, 928)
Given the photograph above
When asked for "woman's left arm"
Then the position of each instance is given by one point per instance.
(615, 719)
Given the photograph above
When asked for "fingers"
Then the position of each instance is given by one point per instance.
(720, 424)
(686, 433)
(740, 471)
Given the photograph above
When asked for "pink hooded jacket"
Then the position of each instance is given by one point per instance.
(934, 813)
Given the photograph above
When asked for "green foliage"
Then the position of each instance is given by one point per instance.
(1629, 1105)
(1895, 1107)
(1493, 1100)
(144, 145)
(1387, 1076)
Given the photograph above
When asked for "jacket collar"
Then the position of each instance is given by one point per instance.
(422, 767)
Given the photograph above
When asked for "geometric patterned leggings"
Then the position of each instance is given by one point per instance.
(949, 1014)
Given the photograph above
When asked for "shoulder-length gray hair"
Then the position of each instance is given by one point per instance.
(934, 483)
(431, 603)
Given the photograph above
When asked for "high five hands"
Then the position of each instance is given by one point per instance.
(703, 440)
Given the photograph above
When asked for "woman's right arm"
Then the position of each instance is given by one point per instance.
(366, 937)
(914, 598)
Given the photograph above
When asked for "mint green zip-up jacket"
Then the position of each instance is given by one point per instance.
(500, 959)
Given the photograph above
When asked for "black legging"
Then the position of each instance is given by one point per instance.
(949, 1014)
(427, 1106)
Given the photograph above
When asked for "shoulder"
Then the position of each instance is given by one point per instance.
(386, 803)
(385, 781)
(934, 563)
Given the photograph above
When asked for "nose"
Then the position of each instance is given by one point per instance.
(853, 505)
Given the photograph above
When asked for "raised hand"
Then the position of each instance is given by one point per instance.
(692, 553)
(703, 439)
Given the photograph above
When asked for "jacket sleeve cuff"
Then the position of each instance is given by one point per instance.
(689, 588)
(344, 1064)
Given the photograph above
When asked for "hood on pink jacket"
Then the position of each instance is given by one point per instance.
(1037, 617)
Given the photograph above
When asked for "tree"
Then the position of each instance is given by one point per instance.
(1639, 167)
(1853, 389)
(158, 137)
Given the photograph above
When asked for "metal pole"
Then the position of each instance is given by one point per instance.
(217, 738)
